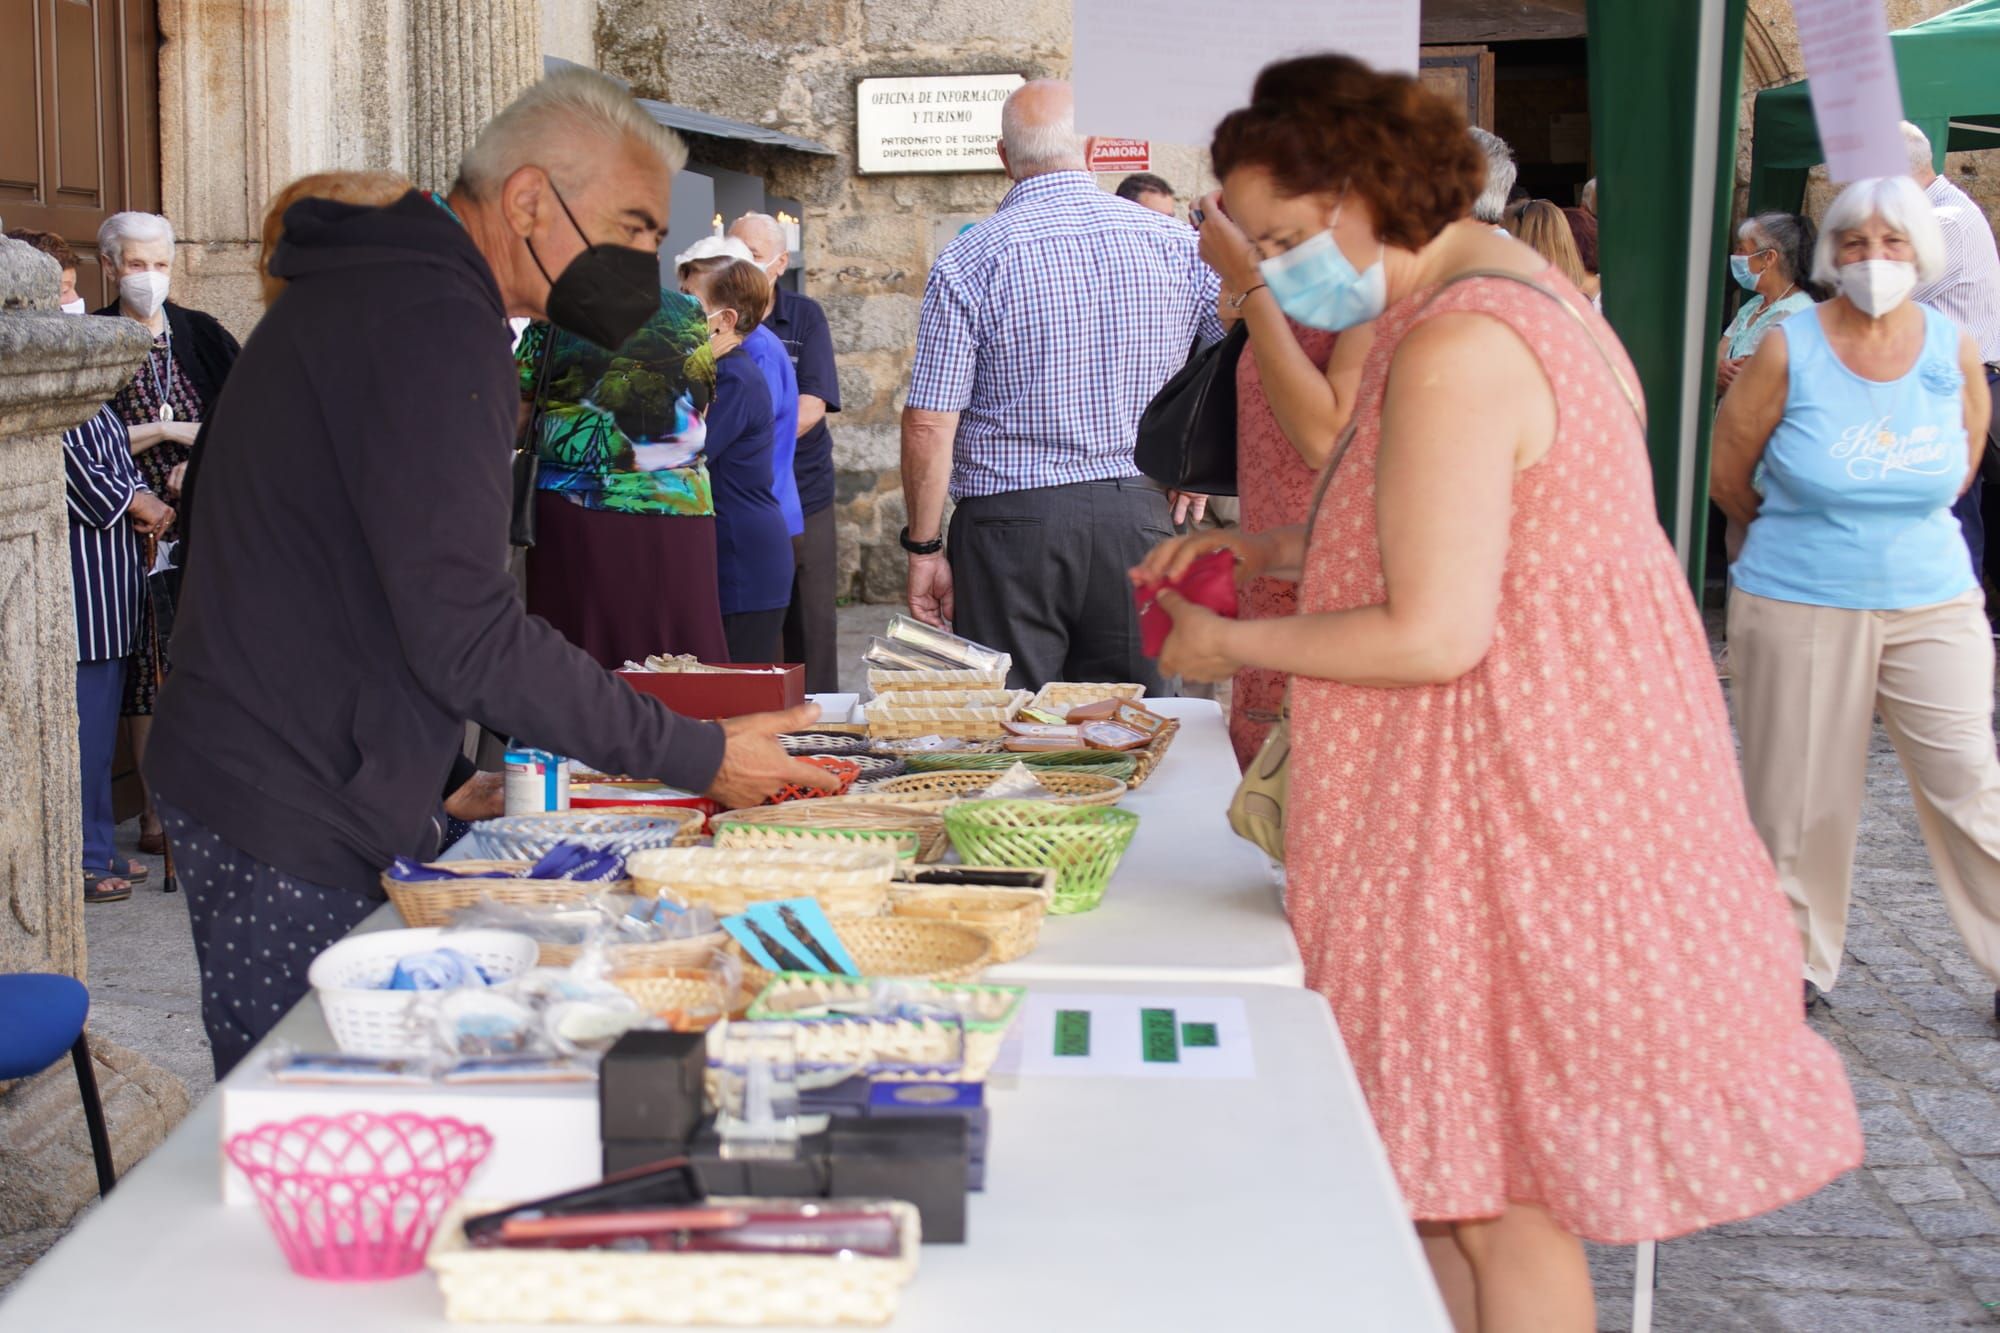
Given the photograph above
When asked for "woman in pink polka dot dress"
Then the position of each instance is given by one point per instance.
(1520, 865)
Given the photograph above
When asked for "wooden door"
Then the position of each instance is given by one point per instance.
(79, 120)
(1464, 74)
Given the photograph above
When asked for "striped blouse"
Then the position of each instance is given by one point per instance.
(103, 549)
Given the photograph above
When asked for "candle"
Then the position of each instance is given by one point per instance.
(717, 226)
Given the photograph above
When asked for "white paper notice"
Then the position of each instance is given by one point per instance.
(1856, 98)
(1135, 1036)
(1168, 70)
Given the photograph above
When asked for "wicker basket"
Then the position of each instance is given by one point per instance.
(692, 951)
(821, 742)
(846, 880)
(1062, 695)
(617, 828)
(520, 1286)
(890, 946)
(890, 719)
(884, 681)
(834, 822)
(937, 790)
(1104, 763)
(1011, 918)
(889, 1047)
(433, 902)
(350, 977)
(689, 999)
(1083, 844)
(1149, 756)
(904, 747)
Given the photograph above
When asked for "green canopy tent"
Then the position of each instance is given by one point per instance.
(1663, 101)
(1947, 66)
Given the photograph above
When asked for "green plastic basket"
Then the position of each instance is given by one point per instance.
(1102, 762)
(1082, 843)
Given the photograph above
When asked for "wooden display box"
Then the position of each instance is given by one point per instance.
(761, 688)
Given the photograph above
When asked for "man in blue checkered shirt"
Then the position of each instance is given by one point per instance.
(1046, 329)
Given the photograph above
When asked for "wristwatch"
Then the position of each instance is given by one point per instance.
(931, 547)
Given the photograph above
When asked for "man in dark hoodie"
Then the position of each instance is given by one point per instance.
(348, 607)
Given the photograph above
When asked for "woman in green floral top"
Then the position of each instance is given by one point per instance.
(624, 559)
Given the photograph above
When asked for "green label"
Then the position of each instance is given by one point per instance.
(1159, 1038)
(1198, 1034)
(1072, 1032)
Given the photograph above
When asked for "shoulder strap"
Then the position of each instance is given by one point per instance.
(1632, 398)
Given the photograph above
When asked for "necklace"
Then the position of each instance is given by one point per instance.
(159, 387)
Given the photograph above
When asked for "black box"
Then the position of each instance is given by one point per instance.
(650, 1087)
(801, 1177)
(919, 1159)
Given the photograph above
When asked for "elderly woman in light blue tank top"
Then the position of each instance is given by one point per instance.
(1861, 420)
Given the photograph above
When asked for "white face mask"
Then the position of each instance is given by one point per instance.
(143, 293)
(76, 307)
(1877, 286)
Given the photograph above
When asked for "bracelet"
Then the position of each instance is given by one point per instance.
(931, 547)
(1236, 302)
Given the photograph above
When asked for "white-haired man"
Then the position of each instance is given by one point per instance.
(1491, 205)
(1968, 293)
(1045, 331)
(349, 607)
(800, 324)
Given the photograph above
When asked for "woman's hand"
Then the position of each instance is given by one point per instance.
(176, 478)
(1170, 559)
(1225, 248)
(1726, 371)
(1198, 649)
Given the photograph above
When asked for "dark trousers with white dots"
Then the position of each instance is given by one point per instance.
(256, 931)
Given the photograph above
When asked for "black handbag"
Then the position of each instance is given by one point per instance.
(1187, 437)
(528, 462)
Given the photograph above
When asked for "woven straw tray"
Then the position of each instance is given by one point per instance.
(893, 946)
(986, 1013)
(936, 790)
(433, 902)
(834, 821)
(1063, 695)
(846, 879)
(516, 1286)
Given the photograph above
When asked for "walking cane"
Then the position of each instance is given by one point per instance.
(159, 599)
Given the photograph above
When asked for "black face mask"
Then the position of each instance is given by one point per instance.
(607, 293)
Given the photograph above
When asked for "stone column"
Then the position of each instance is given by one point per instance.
(55, 370)
(468, 58)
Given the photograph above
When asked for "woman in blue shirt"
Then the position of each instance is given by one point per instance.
(753, 543)
(1853, 591)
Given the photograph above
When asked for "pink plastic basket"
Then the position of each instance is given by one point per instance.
(355, 1198)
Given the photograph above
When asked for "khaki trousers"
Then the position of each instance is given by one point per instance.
(1808, 681)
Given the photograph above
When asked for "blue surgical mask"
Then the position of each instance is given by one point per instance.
(1316, 285)
(1739, 268)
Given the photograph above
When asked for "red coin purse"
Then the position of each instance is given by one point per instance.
(1210, 581)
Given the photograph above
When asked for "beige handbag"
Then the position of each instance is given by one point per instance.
(1257, 811)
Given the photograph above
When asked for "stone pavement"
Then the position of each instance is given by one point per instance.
(1907, 1244)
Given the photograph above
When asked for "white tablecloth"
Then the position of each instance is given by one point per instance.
(1113, 1204)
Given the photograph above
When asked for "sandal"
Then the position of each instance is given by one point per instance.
(105, 888)
(154, 843)
(135, 871)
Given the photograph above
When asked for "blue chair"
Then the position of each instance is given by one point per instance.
(41, 1016)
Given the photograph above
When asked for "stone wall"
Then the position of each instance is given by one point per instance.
(254, 96)
(869, 240)
(1771, 57)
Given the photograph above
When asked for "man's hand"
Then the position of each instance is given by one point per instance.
(755, 766)
(1188, 507)
(151, 515)
(483, 796)
(930, 590)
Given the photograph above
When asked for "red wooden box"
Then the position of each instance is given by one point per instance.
(765, 688)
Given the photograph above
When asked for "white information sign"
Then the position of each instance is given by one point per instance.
(1168, 70)
(936, 122)
(1856, 97)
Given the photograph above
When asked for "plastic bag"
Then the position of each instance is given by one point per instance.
(1018, 783)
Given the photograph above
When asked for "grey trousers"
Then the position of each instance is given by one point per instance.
(1041, 574)
(811, 630)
